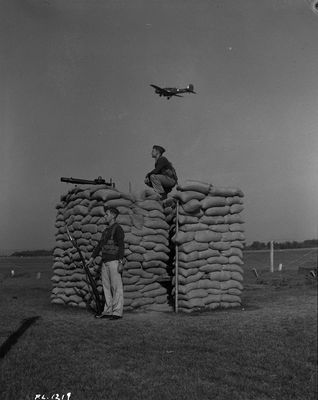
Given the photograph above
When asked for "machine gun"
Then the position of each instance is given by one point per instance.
(98, 181)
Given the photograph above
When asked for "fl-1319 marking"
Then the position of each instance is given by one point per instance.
(55, 396)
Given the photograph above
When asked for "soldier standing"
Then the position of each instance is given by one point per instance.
(112, 247)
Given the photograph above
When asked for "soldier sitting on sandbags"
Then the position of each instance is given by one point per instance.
(163, 177)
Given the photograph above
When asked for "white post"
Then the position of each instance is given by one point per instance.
(176, 272)
(272, 255)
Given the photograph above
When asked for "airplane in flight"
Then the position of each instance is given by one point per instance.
(169, 92)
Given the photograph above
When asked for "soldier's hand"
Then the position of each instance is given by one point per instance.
(120, 266)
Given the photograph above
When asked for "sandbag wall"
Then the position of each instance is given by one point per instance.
(210, 241)
(146, 245)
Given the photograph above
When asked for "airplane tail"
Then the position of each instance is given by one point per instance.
(190, 88)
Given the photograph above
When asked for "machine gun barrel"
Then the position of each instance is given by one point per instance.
(98, 181)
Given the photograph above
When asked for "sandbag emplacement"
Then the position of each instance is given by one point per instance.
(210, 239)
(143, 220)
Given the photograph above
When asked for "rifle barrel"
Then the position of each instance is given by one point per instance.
(98, 181)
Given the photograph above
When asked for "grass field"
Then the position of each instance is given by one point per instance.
(265, 350)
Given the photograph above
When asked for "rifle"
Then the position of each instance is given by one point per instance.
(99, 308)
(98, 181)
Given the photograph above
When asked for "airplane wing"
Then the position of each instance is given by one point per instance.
(156, 87)
(161, 90)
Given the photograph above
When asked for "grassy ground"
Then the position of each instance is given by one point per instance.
(265, 350)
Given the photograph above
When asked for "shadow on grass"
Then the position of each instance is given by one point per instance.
(14, 337)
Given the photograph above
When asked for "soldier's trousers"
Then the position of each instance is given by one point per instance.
(162, 183)
(113, 289)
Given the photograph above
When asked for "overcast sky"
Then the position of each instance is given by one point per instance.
(75, 101)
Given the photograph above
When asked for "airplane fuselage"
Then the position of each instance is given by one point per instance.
(168, 92)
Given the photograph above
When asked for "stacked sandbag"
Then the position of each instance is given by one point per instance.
(147, 253)
(146, 245)
(210, 241)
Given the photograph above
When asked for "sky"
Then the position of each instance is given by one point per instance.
(75, 101)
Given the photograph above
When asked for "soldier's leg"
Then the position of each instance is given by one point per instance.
(162, 183)
(117, 289)
(106, 282)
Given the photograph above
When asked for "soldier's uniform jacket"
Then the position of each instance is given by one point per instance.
(111, 244)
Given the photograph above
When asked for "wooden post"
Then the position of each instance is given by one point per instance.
(272, 255)
(176, 271)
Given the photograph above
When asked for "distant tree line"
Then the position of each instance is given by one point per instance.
(256, 245)
(32, 253)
